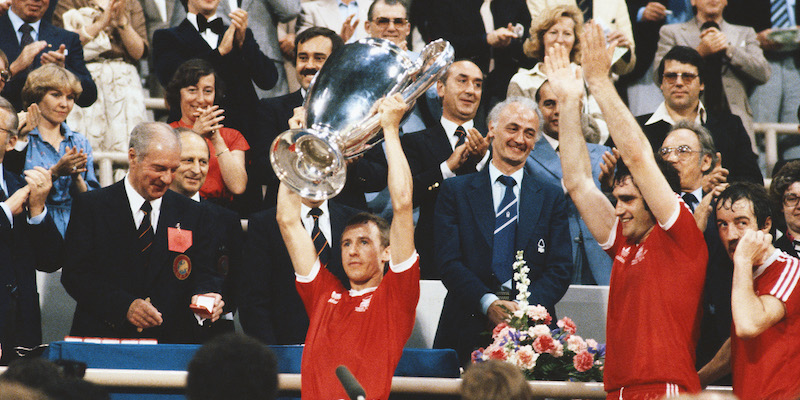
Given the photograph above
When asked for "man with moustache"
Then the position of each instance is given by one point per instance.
(313, 46)
(29, 42)
(763, 352)
(452, 147)
(227, 248)
(140, 255)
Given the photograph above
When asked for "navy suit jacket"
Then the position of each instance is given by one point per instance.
(26, 248)
(237, 70)
(270, 308)
(545, 164)
(425, 151)
(464, 230)
(55, 37)
(102, 273)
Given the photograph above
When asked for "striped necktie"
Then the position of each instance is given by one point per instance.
(145, 231)
(505, 229)
(779, 14)
(320, 242)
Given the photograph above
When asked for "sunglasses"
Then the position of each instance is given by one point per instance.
(384, 22)
(672, 77)
(680, 151)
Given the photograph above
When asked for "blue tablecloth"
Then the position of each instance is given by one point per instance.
(175, 357)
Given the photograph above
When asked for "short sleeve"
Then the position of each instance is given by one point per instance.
(235, 140)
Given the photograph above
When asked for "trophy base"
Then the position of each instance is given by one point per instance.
(310, 165)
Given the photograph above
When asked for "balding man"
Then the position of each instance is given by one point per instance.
(140, 254)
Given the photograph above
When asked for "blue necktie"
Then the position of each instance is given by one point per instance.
(320, 243)
(505, 229)
(779, 12)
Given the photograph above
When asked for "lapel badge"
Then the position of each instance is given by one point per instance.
(541, 246)
(182, 267)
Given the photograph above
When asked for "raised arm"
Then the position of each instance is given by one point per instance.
(625, 131)
(595, 209)
(298, 241)
(401, 236)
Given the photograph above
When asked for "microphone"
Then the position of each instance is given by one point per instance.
(350, 384)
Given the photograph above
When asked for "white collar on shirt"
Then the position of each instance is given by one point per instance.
(210, 37)
(308, 221)
(3, 181)
(450, 129)
(16, 22)
(196, 197)
(135, 201)
(661, 114)
(553, 141)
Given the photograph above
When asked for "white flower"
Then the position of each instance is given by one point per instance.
(539, 330)
(576, 344)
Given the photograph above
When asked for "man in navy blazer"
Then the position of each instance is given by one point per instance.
(270, 308)
(231, 50)
(438, 153)
(464, 235)
(129, 286)
(50, 45)
(592, 264)
(29, 240)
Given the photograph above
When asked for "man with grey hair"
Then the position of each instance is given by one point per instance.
(140, 259)
(29, 241)
(483, 219)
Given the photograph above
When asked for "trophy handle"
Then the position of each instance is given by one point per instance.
(311, 165)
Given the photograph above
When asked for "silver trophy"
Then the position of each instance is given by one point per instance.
(340, 119)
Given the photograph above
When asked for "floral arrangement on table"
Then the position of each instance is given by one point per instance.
(542, 353)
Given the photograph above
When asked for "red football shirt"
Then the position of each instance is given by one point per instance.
(654, 305)
(364, 331)
(214, 187)
(768, 365)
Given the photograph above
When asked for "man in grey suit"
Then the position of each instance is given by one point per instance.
(735, 47)
(592, 264)
(264, 16)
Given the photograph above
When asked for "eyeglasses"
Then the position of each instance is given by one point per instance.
(790, 200)
(383, 23)
(681, 151)
(672, 77)
(5, 75)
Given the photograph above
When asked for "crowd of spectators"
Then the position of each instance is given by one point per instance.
(664, 92)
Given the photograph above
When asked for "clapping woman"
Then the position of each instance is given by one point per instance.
(49, 94)
(193, 90)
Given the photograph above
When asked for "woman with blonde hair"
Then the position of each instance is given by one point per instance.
(49, 94)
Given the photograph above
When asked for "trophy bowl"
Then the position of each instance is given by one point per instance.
(340, 119)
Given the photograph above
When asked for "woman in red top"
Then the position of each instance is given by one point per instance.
(193, 89)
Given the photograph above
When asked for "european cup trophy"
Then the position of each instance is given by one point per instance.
(340, 122)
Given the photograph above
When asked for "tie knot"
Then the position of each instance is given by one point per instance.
(461, 132)
(315, 212)
(506, 180)
(25, 28)
(689, 198)
(146, 207)
(215, 25)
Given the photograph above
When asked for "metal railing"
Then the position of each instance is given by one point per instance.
(771, 131)
(149, 379)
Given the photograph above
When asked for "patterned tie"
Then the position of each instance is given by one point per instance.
(505, 229)
(779, 11)
(27, 38)
(461, 133)
(690, 200)
(145, 231)
(320, 243)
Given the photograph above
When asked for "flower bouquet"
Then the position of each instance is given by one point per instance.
(527, 341)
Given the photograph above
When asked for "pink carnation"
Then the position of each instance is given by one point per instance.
(539, 313)
(567, 325)
(539, 330)
(558, 349)
(583, 361)
(526, 357)
(576, 344)
(499, 328)
(496, 353)
(543, 344)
